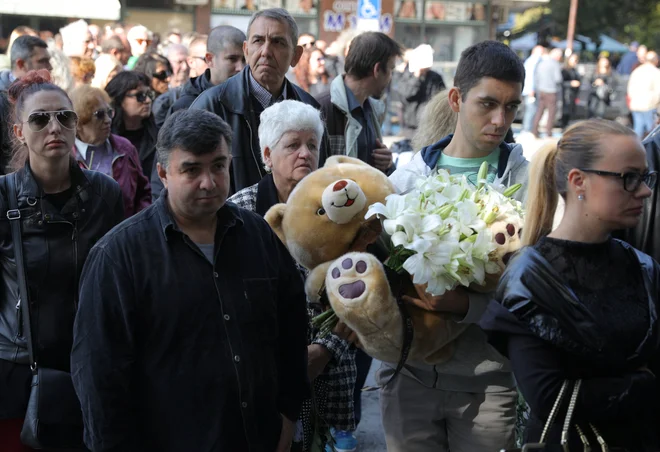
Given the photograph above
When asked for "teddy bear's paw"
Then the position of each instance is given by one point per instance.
(346, 275)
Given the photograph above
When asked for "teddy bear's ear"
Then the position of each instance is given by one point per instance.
(337, 159)
(274, 218)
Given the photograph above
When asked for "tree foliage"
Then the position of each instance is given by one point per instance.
(622, 19)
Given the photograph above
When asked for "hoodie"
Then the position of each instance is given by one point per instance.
(6, 79)
(475, 366)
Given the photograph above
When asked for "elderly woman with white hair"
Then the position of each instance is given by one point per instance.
(290, 135)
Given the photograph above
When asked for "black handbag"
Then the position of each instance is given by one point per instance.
(541, 445)
(53, 419)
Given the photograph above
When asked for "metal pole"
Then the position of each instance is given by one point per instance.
(572, 15)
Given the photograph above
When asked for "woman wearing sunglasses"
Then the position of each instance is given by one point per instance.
(64, 210)
(158, 69)
(99, 150)
(132, 100)
(576, 304)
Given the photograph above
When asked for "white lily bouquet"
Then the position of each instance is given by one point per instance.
(441, 230)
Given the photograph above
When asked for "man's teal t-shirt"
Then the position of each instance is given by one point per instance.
(470, 166)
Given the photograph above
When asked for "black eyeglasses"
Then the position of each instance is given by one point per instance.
(162, 75)
(142, 96)
(39, 120)
(102, 113)
(631, 180)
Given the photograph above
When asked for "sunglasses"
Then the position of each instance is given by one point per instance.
(631, 180)
(101, 114)
(162, 75)
(142, 41)
(39, 120)
(142, 96)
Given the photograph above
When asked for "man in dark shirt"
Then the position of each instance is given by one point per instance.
(270, 50)
(191, 329)
(353, 113)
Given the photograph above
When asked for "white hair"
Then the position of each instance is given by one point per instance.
(138, 30)
(287, 116)
(105, 64)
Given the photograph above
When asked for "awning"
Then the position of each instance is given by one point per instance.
(83, 9)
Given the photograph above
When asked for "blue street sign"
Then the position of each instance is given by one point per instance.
(368, 9)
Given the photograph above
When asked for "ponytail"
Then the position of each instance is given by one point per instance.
(542, 196)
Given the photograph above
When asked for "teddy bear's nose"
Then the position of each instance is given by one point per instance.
(340, 185)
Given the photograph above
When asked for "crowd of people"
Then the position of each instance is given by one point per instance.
(550, 85)
(146, 274)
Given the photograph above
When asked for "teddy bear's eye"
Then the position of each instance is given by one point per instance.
(321, 211)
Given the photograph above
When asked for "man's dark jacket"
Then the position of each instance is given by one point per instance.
(173, 353)
(231, 101)
(415, 93)
(193, 88)
(646, 236)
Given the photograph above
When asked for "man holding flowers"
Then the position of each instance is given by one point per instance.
(468, 403)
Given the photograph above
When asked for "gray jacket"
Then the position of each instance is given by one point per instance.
(547, 77)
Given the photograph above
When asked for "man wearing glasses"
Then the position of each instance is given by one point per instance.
(270, 50)
(140, 38)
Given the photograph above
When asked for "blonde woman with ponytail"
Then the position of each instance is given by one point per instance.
(577, 304)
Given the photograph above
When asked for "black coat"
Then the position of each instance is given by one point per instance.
(55, 247)
(415, 93)
(646, 236)
(230, 100)
(536, 317)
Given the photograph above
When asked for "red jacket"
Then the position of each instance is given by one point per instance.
(127, 171)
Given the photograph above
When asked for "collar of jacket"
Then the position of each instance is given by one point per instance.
(113, 144)
(229, 215)
(266, 194)
(339, 99)
(431, 154)
(537, 295)
(235, 93)
(29, 189)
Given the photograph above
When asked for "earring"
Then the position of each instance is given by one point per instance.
(580, 197)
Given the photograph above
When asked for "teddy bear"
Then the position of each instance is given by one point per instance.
(322, 224)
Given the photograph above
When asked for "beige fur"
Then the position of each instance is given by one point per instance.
(321, 246)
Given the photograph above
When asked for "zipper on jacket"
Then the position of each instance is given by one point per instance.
(254, 157)
(19, 316)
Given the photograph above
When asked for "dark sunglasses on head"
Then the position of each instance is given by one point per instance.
(162, 75)
(142, 96)
(39, 120)
(631, 180)
(102, 113)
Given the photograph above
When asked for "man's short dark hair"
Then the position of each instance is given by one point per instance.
(196, 131)
(366, 50)
(281, 15)
(488, 59)
(23, 47)
(111, 43)
(224, 36)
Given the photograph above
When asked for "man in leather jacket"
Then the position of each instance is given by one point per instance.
(269, 51)
(646, 236)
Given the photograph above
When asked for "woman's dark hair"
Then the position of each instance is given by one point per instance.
(18, 93)
(488, 59)
(117, 88)
(148, 62)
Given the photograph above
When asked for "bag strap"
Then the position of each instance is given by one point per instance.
(14, 217)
